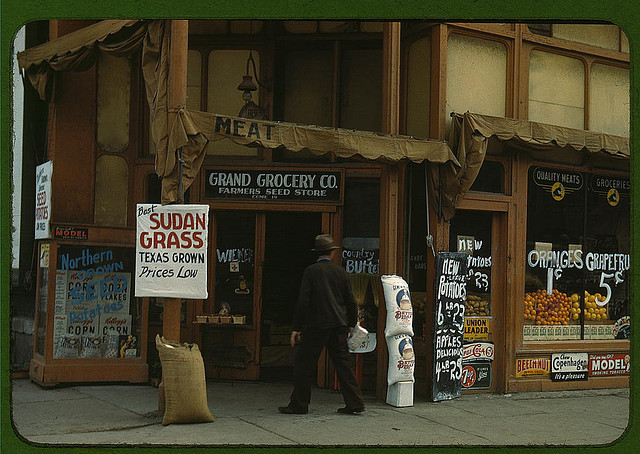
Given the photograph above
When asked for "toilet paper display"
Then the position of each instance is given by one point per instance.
(399, 329)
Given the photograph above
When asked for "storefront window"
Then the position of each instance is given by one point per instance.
(113, 99)
(307, 96)
(360, 88)
(556, 89)
(225, 68)
(111, 190)
(95, 312)
(470, 232)
(609, 102)
(43, 296)
(473, 63)
(419, 87)
(361, 245)
(577, 256)
(490, 178)
(419, 253)
(605, 36)
(234, 259)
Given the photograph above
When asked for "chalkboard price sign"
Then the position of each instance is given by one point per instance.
(451, 292)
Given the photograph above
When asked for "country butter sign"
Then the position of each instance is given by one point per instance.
(291, 185)
(477, 329)
(526, 367)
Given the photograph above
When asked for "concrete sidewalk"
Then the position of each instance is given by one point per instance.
(246, 414)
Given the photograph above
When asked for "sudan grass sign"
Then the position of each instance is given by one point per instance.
(171, 250)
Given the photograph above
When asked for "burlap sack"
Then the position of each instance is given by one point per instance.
(185, 390)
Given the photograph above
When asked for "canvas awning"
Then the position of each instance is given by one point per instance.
(79, 50)
(193, 129)
(469, 138)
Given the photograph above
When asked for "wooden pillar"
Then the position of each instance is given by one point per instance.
(177, 87)
(390, 236)
(391, 78)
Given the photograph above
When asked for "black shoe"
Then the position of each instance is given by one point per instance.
(350, 411)
(289, 410)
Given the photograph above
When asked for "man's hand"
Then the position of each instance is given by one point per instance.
(351, 331)
(295, 337)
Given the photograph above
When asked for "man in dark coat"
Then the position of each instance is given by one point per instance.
(325, 315)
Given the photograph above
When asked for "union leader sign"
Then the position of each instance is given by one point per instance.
(171, 251)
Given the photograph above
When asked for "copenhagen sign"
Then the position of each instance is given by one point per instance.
(296, 185)
(569, 366)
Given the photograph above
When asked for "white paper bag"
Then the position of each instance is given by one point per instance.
(361, 341)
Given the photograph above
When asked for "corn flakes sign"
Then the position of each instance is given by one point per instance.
(527, 367)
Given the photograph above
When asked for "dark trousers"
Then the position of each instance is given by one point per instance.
(335, 340)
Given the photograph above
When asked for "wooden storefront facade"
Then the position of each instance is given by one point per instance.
(385, 211)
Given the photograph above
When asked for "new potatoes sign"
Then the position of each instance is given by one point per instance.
(171, 250)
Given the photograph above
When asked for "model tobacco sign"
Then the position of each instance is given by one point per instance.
(171, 251)
(451, 292)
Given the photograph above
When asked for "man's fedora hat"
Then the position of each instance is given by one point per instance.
(324, 242)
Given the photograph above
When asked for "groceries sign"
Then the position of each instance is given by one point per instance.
(171, 251)
(291, 185)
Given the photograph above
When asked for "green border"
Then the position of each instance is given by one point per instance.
(14, 13)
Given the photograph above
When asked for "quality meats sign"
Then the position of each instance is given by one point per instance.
(171, 251)
(609, 364)
(451, 293)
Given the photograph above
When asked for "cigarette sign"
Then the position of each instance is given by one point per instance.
(171, 251)
(610, 364)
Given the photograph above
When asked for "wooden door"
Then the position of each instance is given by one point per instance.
(231, 350)
(481, 235)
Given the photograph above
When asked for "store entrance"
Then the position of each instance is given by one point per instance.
(481, 234)
(289, 237)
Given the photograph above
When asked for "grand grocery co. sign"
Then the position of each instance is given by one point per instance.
(291, 185)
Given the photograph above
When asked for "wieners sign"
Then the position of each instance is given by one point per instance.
(171, 251)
